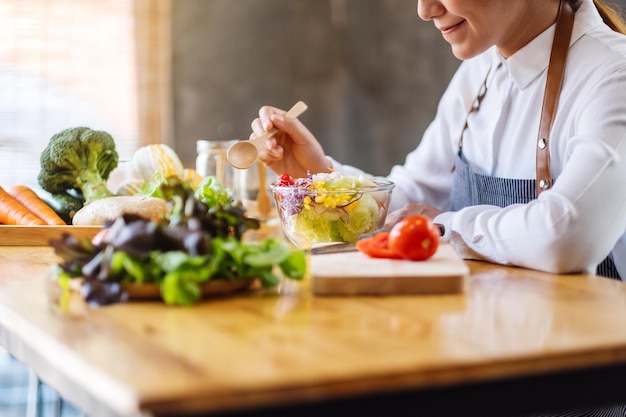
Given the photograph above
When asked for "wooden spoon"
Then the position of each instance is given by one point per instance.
(263, 202)
(242, 155)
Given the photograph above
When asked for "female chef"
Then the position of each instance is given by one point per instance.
(525, 161)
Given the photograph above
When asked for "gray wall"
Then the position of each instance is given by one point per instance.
(371, 71)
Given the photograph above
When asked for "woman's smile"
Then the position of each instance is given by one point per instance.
(473, 26)
(450, 29)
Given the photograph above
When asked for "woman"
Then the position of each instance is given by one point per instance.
(505, 192)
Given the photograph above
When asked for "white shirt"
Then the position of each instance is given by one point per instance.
(569, 228)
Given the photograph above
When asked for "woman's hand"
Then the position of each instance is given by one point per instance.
(423, 209)
(293, 150)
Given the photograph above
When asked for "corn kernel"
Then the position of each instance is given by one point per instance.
(352, 206)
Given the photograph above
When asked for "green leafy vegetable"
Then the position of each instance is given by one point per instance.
(194, 245)
(211, 192)
(78, 159)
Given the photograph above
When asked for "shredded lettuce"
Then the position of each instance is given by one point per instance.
(331, 208)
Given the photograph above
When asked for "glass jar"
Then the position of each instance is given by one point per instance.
(211, 161)
(249, 183)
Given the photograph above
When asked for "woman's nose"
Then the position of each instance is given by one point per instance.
(429, 9)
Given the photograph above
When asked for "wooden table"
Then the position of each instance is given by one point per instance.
(515, 341)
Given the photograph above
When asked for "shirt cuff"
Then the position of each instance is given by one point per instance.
(445, 220)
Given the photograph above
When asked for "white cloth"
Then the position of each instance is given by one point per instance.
(573, 226)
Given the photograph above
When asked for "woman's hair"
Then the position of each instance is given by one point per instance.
(611, 16)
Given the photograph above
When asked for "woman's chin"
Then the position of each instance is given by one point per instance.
(462, 52)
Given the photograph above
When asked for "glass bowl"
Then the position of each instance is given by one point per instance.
(315, 212)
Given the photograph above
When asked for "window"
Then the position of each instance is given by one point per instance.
(65, 63)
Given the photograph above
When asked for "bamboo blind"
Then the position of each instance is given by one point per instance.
(65, 63)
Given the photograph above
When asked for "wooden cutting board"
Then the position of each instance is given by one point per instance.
(354, 273)
(41, 235)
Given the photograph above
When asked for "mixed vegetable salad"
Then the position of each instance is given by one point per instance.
(329, 207)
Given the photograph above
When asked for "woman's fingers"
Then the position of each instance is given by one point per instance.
(293, 149)
(265, 116)
(257, 128)
(294, 128)
(269, 156)
(263, 123)
(270, 117)
(423, 209)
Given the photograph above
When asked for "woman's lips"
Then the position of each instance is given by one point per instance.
(446, 30)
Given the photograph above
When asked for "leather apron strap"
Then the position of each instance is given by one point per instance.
(556, 69)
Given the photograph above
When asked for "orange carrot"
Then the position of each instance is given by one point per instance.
(14, 212)
(36, 205)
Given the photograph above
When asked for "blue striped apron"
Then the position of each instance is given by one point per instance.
(471, 189)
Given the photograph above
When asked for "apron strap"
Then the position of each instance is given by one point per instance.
(556, 69)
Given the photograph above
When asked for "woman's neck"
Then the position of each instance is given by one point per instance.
(537, 17)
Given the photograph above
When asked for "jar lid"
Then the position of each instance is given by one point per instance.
(207, 145)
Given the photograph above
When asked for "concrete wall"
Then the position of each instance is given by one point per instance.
(371, 71)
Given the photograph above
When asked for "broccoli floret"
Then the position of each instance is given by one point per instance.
(78, 159)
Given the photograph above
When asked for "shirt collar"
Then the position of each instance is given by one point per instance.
(530, 61)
